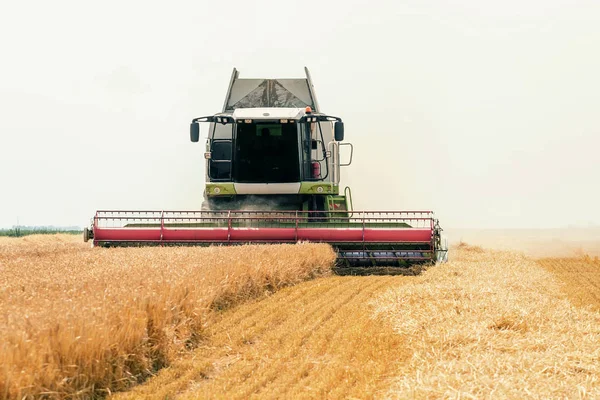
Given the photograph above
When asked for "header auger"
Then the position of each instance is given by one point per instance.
(272, 176)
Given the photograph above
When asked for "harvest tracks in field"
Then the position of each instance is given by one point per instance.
(317, 339)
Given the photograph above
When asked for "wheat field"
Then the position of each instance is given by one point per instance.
(81, 322)
(273, 322)
(494, 324)
(489, 324)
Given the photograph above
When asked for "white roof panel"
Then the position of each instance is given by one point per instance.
(269, 113)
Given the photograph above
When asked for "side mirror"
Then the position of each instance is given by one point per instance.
(194, 132)
(339, 131)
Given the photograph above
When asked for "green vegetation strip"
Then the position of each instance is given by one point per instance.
(17, 232)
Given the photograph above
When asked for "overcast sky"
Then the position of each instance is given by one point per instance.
(487, 112)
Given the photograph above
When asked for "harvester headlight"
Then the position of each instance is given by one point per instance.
(217, 190)
(218, 119)
(320, 189)
(284, 121)
(248, 121)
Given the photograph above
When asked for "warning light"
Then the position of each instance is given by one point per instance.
(308, 109)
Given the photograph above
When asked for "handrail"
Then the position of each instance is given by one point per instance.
(258, 211)
(348, 195)
(166, 221)
(351, 153)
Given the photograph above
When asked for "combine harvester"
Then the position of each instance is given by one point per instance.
(273, 176)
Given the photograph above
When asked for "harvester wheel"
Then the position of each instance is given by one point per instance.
(86, 234)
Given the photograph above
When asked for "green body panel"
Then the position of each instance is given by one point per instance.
(228, 188)
(313, 188)
(223, 189)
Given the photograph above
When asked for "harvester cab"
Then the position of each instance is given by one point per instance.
(273, 176)
(271, 148)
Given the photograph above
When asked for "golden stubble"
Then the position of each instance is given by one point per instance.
(579, 276)
(492, 324)
(81, 322)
